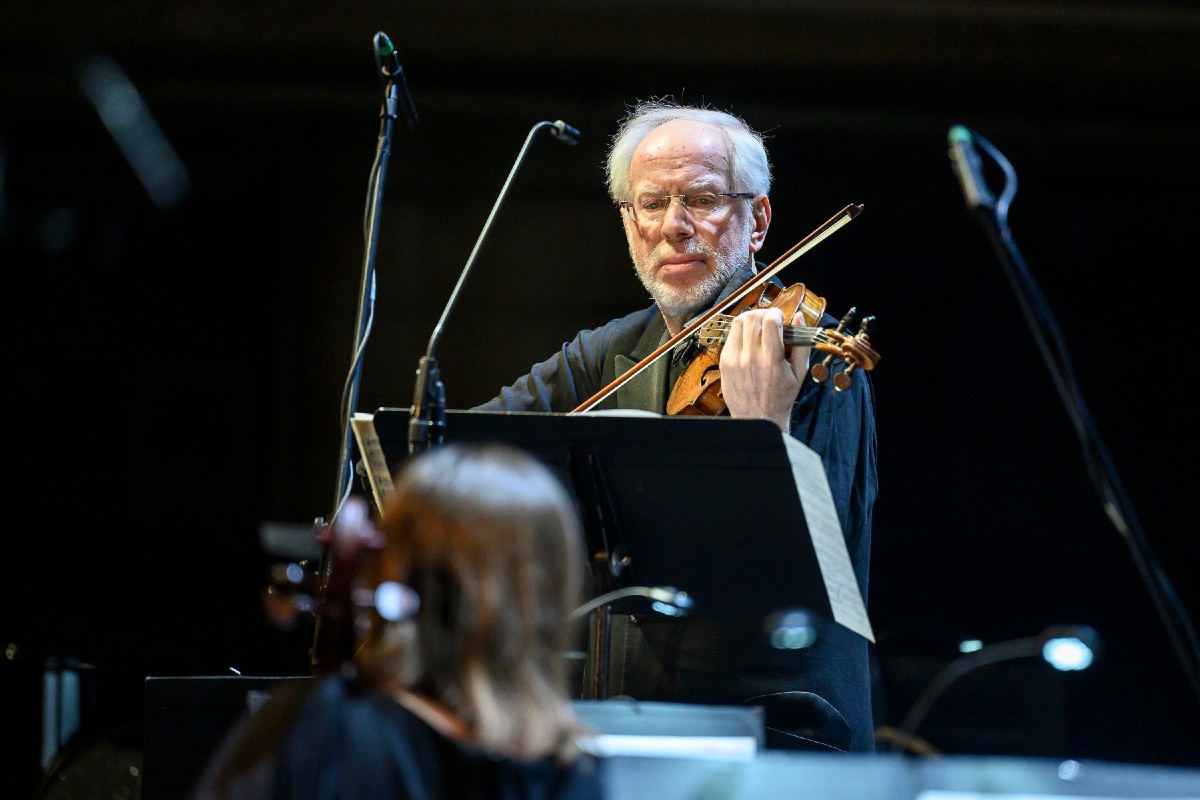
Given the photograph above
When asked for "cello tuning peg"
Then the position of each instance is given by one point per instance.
(865, 326)
(847, 318)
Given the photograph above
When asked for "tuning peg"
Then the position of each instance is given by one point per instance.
(820, 370)
(843, 379)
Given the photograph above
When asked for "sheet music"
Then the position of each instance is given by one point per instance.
(826, 532)
(374, 460)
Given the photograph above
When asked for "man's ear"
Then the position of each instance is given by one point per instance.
(762, 220)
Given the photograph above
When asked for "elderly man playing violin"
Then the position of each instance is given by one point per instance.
(691, 185)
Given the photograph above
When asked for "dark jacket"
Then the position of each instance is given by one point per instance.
(335, 739)
(816, 698)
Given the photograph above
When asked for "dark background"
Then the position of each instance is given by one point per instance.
(175, 361)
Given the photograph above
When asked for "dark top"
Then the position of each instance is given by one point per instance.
(816, 698)
(333, 739)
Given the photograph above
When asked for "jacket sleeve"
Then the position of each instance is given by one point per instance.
(580, 369)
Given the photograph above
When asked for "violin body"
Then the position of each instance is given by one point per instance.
(698, 390)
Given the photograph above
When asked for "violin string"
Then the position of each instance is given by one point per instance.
(718, 329)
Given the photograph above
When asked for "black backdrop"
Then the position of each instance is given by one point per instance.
(174, 371)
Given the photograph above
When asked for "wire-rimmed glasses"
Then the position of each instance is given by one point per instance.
(650, 208)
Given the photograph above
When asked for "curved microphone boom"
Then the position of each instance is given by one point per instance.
(564, 132)
(1115, 502)
(427, 416)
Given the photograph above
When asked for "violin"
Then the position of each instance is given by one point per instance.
(703, 376)
(698, 389)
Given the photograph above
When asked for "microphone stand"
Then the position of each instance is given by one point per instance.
(427, 415)
(993, 214)
(395, 94)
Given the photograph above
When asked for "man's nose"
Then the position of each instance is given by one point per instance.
(677, 220)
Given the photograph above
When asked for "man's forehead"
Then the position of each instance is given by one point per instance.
(681, 149)
(681, 136)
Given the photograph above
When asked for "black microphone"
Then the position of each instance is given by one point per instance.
(389, 67)
(564, 132)
(427, 414)
(964, 160)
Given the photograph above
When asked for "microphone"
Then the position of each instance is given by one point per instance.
(964, 160)
(564, 132)
(389, 67)
(427, 414)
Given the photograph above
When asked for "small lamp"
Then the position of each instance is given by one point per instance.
(1064, 647)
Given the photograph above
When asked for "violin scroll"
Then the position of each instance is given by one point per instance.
(837, 343)
(855, 349)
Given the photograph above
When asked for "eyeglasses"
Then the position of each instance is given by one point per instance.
(651, 207)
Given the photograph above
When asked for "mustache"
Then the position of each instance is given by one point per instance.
(690, 247)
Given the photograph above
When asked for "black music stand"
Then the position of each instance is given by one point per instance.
(706, 505)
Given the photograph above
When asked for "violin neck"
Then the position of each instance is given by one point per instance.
(800, 335)
(716, 330)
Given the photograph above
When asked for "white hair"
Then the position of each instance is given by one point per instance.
(749, 166)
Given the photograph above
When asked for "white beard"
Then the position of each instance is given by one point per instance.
(686, 303)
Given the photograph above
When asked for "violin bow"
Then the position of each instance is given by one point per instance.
(822, 232)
